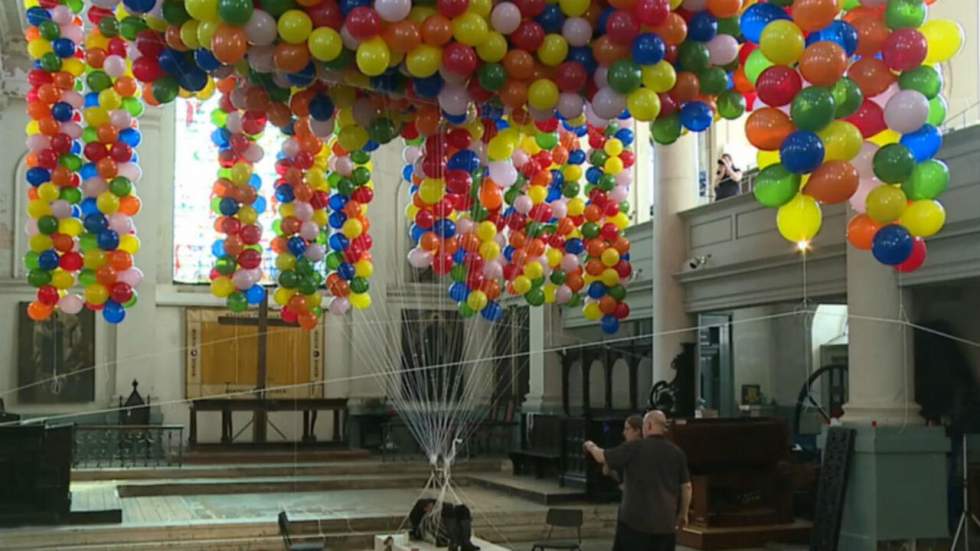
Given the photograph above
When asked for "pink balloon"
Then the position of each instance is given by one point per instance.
(309, 230)
(121, 224)
(302, 210)
(393, 10)
(70, 304)
(61, 209)
(454, 99)
(608, 104)
(864, 162)
(559, 209)
(861, 195)
(493, 269)
(38, 142)
(261, 28)
(61, 15)
(94, 186)
(261, 58)
(132, 277)
(523, 204)
(907, 111)
(419, 258)
(315, 252)
(569, 262)
(242, 279)
(464, 225)
(505, 17)
(570, 105)
(114, 66)
(73, 129)
(722, 49)
(563, 294)
(577, 31)
(131, 171)
(339, 306)
(619, 194)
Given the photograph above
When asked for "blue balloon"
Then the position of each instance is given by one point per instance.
(255, 181)
(428, 87)
(172, 62)
(108, 240)
(259, 205)
(95, 222)
(574, 245)
(839, 32)
(347, 5)
(370, 146)
(924, 143)
(551, 19)
(509, 252)
(131, 137)
(37, 176)
(609, 324)
(892, 245)
(493, 311)
(583, 55)
(218, 248)
(48, 260)
(339, 242)
(576, 157)
(139, 6)
(458, 292)
(596, 289)
(63, 47)
(757, 17)
(337, 219)
(255, 294)
(464, 160)
(321, 107)
(696, 116)
(228, 206)
(62, 111)
(702, 27)
(592, 174)
(459, 256)
(347, 271)
(89, 206)
(92, 99)
(417, 232)
(624, 135)
(296, 245)
(407, 172)
(113, 312)
(284, 193)
(603, 18)
(88, 171)
(454, 119)
(36, 16)
(648, 49)
(444, 228)
(194, 80)
(206, 60)
(303, 78)
(337, 201)
(802, 152)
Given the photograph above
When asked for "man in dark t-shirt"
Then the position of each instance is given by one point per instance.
(656, 487)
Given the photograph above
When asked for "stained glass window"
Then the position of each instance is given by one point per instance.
(196, 167)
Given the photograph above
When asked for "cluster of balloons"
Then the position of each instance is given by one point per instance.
(852, 110)
(82, 167)
(236, 201)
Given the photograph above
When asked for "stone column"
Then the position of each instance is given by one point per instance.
(675, 188)
(880, 354)
(544, 394)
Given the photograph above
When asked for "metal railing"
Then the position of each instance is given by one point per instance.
(128, 445)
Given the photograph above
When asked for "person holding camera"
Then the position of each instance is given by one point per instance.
(727, 178)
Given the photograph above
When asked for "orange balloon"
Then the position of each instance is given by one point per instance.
(257, 99)
(595, 247)
(872, 34)
(518, 64)
(437, 30)
(767, 128)
(48, 93)
(95, 57)
(226, 85)
(107, 134)
(674, 30)
(574, 282)
(39, 311)
(813, 15)
(291, 58)
(105, 275)
(130, 205)
(513, 93)
(63, 80)
(429, 241)
(833, 182)
(594, 267)
(517, 240)
(687, 88)
(861, 232)
(120, 260)
(469, 242)
(872, 76)
(823, 63)
(126, 86)
(607, 52)
(490, 195)
(742, 82)
(49, 126)
(38, 110)
(62, 242)
(172, 38)
(279, 114)
(535, 248)
(402, 36)
(427, 120)
(229, 44)
(307, 320)
(724, 9)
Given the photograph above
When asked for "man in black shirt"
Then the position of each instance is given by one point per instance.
(656, 487)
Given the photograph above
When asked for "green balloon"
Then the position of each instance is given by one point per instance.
(929, 180)
(512, 193)
(730, 26)
(276, 224)
(75, 6)
(345, 58)
(50, 62)
(39, 278)
(598, 157)
(894, 163)
(131, 26)
(847, 96)
(173, 13)
(925, 80)
(694, 56)
(590, 230)
(492, 76)
(465, 310)
(775, 186)
(813, 108)
(275, 8)
(546, 140)
(606, 182)
(87, 277)
(571, 189)
(359, 285)
(31, 260)
(360, 157)
(666, 130)
(134, 106)
(70, 161)
(714, 81)
(132, 300)
(90, 134)
(235, 12)
(535, 297)
(558, 277)
(49, 30)
(625, 76)
(70, 194)
(334, 260)
(731, 105)
(288, 279)
(478, 212)
(47, 225)
(120, 186)
(304, 267)
(458, 273)
(225, 265)
(382, 130)
(88, 242)
(937, 111)
(237, 302)
(361, 175)
(165, 89)
(307, 285)
(905, 14)
(574, 301)
(617, 292)
(345, 187)
(851, 4)
(755, 65)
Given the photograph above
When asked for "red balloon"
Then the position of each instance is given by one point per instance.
(651, 13)
(363, 23)
(778, 85)
(250, 259)
(869, 118)
(459, 59)
(147, 69)
(528, 36)
(622, 28)
(916, 259)
(47, 295)
(531, 8)
(571, 76)
(121, 292)
(904, 50)
(71, 262)
(453, 8)
(326, 14)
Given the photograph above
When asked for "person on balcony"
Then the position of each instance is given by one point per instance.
(728, 178)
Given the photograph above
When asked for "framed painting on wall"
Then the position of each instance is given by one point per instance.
(55, 358)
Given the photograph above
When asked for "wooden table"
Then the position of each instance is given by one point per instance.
(309, 407)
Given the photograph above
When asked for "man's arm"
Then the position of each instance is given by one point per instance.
(596, 452)
(686, 491)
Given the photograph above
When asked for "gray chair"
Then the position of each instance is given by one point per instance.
(287, 541)
(565, 519)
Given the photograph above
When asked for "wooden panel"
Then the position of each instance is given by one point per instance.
(223, 358)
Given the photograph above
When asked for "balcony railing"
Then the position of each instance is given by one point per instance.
(128, 445)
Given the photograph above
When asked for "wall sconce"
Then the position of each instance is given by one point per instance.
(698, 262)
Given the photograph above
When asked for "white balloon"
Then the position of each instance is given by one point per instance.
(907, 111)
(577, 31)
(261, 28)
(505, 17)
(393, 10)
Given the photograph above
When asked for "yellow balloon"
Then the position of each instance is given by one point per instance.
(533, 270)
(205, 31)
(842, 141)
(38, 47)
(343, 98)
(609, 277)
(295, 26)
(553, 50)
(542, 94)
(610, 257)
(481, 7)
(73, 65)
(538, 194)
(71, 227)
(47, 192)
(499, 148)
(486, 230)
(129, 243)
(188, 34)
(550, 290)
(591, 311)
(660, 78)
(325, 44)
(799, 219)
(924, 218)
(363, 268)
(98, 294)
(360, 301)
(282, 295)
(521, 284)
(94, 259)
(490, 250)
(202, 10)
(572, 173)
(107, 203)
(423, 61)
(782, 42)
(61, 279)
(886, 203)
(613, 165)
(643, 104)
(553, 256)
(247, 215)
(352, 228)
(432, 190)
(613, 147)
(285, 262)
(38, 208)
(96, 116)
(573, 8)
(470, 29)
(620, 220)
(944, 37)
(477, 300)
(767, 158)
(885, 137)
(110, 99)
(576, 206)
(373, 56)
(353, 138)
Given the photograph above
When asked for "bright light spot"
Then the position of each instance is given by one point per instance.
(803, 246)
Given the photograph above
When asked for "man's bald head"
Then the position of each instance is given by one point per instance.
(654, 423)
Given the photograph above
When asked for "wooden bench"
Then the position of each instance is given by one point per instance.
(542, 463)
